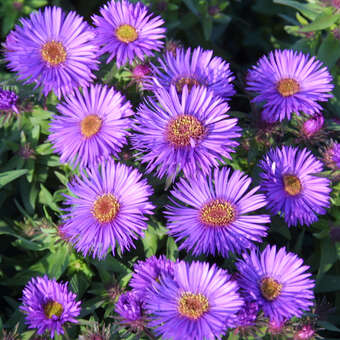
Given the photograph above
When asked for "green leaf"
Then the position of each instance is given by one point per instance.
(329, 51)
(79, 283)
(9, 176)
(329, 326)
(46, 198)
(207, 27)
(328, 257)
(171, 249)
(321, 22)
(329, 283)
(309, 10)
(150, 241)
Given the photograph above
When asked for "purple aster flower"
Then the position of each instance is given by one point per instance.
(278, 281)
(188, 132)
(48, 305)
(107, 209)
(196, 68)
(306, 332)
(290, 181)
(212, 214)
(8, 100)
(289, 82)
(131, 311)
(126, 30)
(195, 304)
(331, 156)
(92, 125)
(53, 50)
(147, 273)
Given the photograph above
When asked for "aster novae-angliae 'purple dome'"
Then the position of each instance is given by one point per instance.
(211, 214)
(48, 304)
(92, 125)
(278, 280)
(53, 50)
(289, 82)
(147, 273)
(195, 304)
(130, 308)
(189, 131)
(106, 209)
(8, 100)
(293, 189)
(193, 68)
(128, 30)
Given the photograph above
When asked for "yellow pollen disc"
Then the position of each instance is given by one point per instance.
(192, 306)
(52, 308)
(53, 52)
(105, 208)
(270, 288)
(190, 82)
(217, 213)
(90, 125)
(292, 185)
(287, 87)
(126, 33)
(183, 130)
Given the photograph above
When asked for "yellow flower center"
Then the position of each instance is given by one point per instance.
(105, 208)
(270, 288)
(184, 130)
(53, 52)
(287, 87)
(52, 308)
(190, 82)
(217, 213)
(126, 33)
(90, 125)
(292, 185)
(192, 306)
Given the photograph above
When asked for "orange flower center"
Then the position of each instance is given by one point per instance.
(292, 185)
(184, 129)
(270, 288)
(192, 306)
(53, 52)
(217, 213)
(126, 33)
(52, 308)
(287, 87)
(90, 125)
(105, 208)
(190, 82)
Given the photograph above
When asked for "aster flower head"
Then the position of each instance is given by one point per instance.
(147, 273)
(188, 132)
(193, 68)
(106, 209)
(8, 100)
(289, 82)
(211, 214)
(278, 280)
(195, 304)
(312, 126)
(306, 332)
(331, 155)
(92, 125)
(289, 180)
(128, 30)
(48, 305)
(52, 50)
(131, 311)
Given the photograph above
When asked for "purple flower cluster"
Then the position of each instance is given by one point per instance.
(181, 129)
